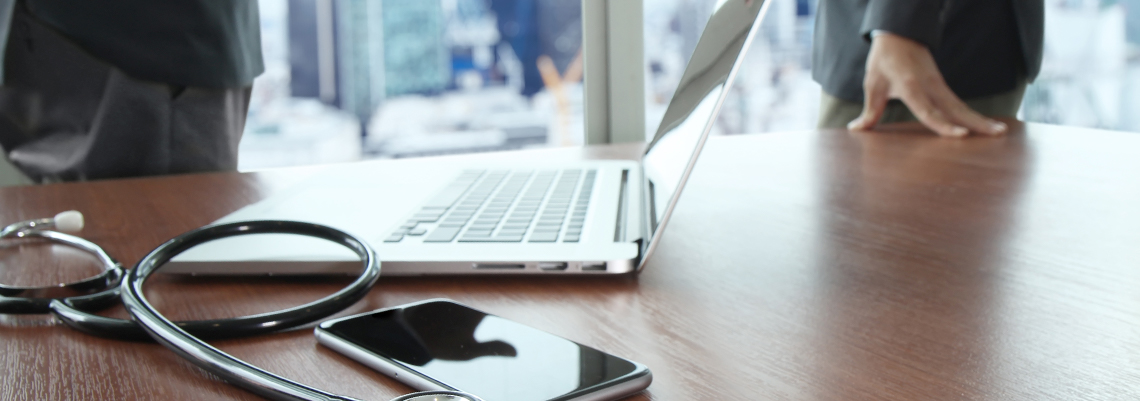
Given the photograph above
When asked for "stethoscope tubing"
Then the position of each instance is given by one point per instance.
(97, 292)
(230, 369)
(185, 338)
(80, 319)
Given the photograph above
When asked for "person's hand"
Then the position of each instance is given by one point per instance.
(900, 68)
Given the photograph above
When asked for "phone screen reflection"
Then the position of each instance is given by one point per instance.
(494, 358)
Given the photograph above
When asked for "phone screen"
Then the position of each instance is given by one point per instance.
(482, 354)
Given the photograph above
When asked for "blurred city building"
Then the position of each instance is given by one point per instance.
(1091, 73)
(417, 77)
(352, 79)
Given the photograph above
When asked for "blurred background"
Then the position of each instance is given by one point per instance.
(348, 80)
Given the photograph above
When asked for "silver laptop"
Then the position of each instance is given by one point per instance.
(465, 216)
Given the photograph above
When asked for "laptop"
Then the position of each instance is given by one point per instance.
(449, 216)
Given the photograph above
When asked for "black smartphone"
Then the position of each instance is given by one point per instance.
(440, 344)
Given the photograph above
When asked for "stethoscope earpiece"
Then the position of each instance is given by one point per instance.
(90, 294)
(70, 221)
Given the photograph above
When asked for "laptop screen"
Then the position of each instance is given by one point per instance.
(690, 115)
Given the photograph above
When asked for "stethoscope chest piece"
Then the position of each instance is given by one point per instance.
(438, 396)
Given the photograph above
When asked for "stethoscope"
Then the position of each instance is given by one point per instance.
(74, 303)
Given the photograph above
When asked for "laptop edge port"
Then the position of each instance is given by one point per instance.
(593, 266)
(553, 265)
(500, 266)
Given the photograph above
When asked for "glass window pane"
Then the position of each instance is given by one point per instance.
(353, 79)
(773, 90)
(1090, 75)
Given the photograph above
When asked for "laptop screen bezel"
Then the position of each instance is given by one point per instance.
(653, 228)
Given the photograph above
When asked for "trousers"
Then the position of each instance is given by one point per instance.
(67, 116)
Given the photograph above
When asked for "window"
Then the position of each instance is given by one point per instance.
(353, 79)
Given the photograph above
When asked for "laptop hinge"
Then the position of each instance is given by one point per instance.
(623, 207)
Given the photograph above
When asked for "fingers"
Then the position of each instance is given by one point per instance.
(875, 97)
(925, 110)
(898, 67)
(936, 107)
(958, 112)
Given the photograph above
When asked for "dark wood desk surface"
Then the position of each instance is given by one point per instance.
(803, 266)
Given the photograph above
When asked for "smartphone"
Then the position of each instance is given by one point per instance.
(440, 344)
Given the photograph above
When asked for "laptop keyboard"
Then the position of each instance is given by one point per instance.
(504, 206)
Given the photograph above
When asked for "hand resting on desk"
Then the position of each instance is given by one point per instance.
(900, 68)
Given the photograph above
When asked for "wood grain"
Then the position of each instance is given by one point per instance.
(823, 265)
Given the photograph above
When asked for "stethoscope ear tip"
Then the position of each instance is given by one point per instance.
(69, 222)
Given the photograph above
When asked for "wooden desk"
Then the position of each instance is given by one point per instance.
(802, 266)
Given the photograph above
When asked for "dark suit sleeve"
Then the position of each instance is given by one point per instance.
(919, 20)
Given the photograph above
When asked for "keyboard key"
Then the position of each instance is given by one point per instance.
(540, 201)
(511, 231)
(442, 234)
(447, 198)
(543, 237)
(394, 238)
(491, 239)
(570, 238)
(426, 218)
